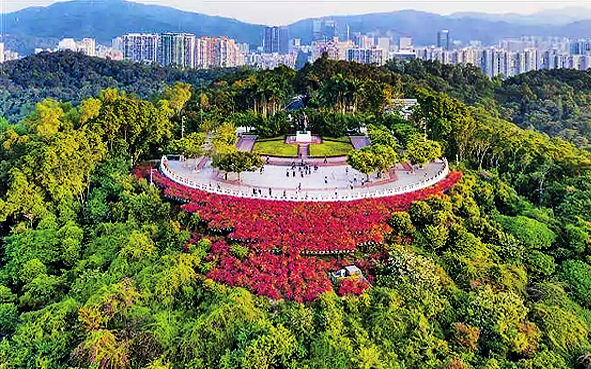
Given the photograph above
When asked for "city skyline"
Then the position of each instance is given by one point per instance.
(283, 12)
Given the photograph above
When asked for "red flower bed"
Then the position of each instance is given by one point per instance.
(276, 276)
(298, 227)
(354, 286)
(278, 233)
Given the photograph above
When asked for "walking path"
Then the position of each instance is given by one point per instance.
(359, 142)
(246, 142)
(328, 182)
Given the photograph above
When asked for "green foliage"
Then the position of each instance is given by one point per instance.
(533, 234)
(578, 275)
(238, 162)
(98, 270)
(421, 151)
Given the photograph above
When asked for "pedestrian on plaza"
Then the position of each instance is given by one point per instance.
(293, 173)
(300, 186)
(287, 173)
(355, 179)
(325, 179)
(302, 173)
(284, 193)
(335, 192)
(260, 192)
(351, 186)
(269, 191)
(325, 161)
(347, 170)
(254, 191)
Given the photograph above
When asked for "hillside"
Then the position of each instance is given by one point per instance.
(488, 269)
(69, 76)
(105, 19)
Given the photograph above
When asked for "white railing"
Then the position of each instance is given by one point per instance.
(345, 195)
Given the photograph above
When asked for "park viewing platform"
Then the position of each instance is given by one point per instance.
(312, 180)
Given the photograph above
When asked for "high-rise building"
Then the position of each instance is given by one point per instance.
(383, 43)
(67, 44)
(373, 55)
(276, 40)
(363, 41)
(405, 43)
(223, 52)
(138, 48)
(443, 39)
(177, 49)
(87, 46)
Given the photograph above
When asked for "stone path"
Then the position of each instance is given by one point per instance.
(246, 142)
(359, 142)
(303, 151)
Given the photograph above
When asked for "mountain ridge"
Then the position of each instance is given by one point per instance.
(103, 20)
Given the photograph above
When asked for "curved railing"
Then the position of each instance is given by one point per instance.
(349, 196)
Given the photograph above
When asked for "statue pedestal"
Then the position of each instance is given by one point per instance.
(303, 137)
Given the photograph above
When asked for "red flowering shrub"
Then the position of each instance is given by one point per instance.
(279, 233)
(353, 285)
(276, 276)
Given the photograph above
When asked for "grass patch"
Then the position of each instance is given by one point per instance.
(340, 147)
(275, 148)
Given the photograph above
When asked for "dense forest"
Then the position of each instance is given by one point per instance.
(100, 269)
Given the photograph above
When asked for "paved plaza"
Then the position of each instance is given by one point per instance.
(320, 182)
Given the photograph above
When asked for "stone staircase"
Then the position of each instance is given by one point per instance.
(303, 151)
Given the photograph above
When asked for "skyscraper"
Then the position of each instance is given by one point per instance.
(139, 48)
(176, 49)
(405, 43)
(443, 39)
(276, 40)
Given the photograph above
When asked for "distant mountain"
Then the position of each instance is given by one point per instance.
(106, 19)
(554, 17)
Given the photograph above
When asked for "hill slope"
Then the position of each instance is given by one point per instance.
(106, 19)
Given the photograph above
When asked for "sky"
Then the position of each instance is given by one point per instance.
(281, 12)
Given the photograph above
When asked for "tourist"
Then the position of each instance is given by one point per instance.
(351, 186)
(284, 193)
(335, 191)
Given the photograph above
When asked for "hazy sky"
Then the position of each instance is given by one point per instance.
(287, 11)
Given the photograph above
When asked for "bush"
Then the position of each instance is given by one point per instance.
(533, 234)
(578, 275)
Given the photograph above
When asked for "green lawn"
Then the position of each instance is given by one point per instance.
(331, 148)
(275, 148)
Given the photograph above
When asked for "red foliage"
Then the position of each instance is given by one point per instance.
(298, 227)
(353, 286)
(276, 276)
(280, 232)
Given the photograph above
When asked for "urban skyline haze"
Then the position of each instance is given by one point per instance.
(283, 12)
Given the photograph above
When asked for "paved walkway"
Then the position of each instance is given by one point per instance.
(246, 142)
(359, 142)
(326, 183)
